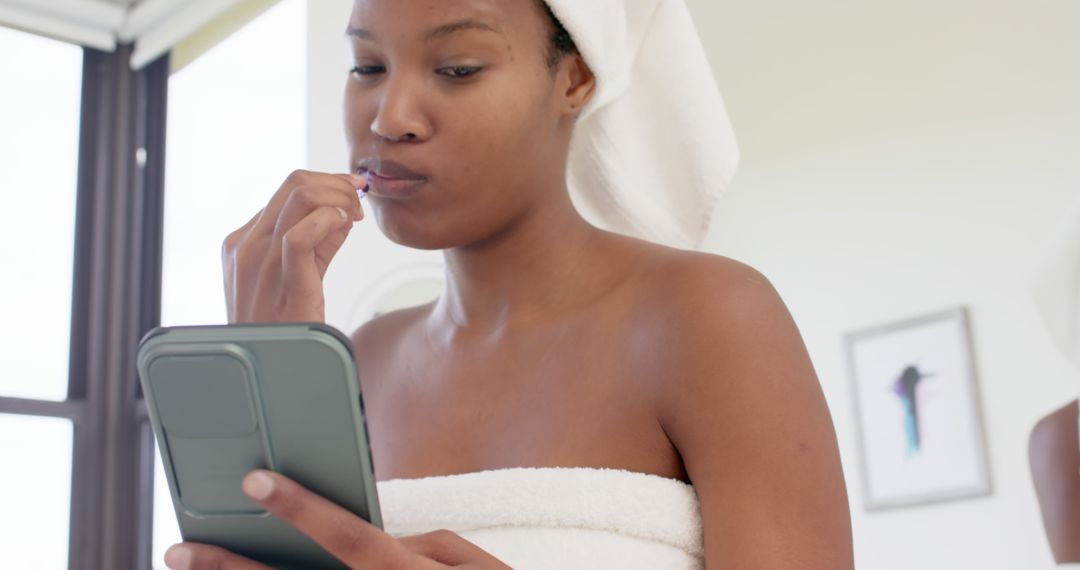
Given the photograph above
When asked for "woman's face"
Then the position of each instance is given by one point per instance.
(460, 92)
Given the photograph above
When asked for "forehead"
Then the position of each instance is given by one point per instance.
(413, 19)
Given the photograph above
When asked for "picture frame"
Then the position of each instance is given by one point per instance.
(918, 413)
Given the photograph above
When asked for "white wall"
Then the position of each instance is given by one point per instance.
(898, 158)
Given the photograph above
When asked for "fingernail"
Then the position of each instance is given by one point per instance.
(178, 558)
(344, 214)
(258, 485)
(361, 181)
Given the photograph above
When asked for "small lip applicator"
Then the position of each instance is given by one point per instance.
(363, 191)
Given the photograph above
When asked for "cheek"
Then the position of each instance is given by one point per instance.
(498, 134)
(358, 114)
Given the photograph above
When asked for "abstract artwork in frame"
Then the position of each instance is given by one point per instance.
(917, 410)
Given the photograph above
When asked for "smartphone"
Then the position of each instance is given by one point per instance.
(224, 400)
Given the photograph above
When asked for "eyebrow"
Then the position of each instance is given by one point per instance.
(439, 32)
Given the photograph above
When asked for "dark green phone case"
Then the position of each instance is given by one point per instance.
(224, 400)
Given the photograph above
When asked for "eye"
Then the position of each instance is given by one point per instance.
(460, 71)
(366, 70)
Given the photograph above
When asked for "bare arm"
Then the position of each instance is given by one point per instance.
(744, 408)
(1052, 453)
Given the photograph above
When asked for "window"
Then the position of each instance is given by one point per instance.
(39, 111)
(236, 129)
(76, 203)
(35, 489)
(39, 108)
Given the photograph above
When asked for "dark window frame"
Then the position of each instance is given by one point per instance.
(116, 299)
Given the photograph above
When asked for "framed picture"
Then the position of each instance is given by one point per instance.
(917, 408)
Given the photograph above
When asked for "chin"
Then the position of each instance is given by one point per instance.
(416, 234)
(439, 228)
(426, 243)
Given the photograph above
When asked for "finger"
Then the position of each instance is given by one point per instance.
(344, 183)
(306, 200)
(354, 185)
(328, 248)
(238, 235)
(442, 546)
(361, 182)
(192, 556)
(299, 258)
(357, 185)
(346, 536)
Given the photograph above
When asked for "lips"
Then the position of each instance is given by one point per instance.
(390, 179)
(390, 170)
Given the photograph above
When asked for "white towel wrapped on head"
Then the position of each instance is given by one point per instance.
(653, 150)
(565, 518)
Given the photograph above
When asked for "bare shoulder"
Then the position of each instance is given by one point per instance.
(385, 329)
(725, 333)
(1054, 433)
(1064, 415)
(698, 295)
(739, 399)
(722, 330)
(378, 341)
(705, 277)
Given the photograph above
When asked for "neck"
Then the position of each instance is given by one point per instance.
(540, 265)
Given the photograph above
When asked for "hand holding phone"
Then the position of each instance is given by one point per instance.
(351, 540)
(226, 400)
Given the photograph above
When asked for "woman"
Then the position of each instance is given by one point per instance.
(1053, 446)
(555, 344)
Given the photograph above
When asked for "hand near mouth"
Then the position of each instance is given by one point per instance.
(275, 264)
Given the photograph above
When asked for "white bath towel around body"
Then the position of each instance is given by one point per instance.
(565, 518)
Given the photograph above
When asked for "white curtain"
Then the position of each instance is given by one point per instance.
(154, 26)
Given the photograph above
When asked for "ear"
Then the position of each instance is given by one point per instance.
(576, 84)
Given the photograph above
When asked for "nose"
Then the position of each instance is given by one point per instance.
(391, 138)
(399, 118)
